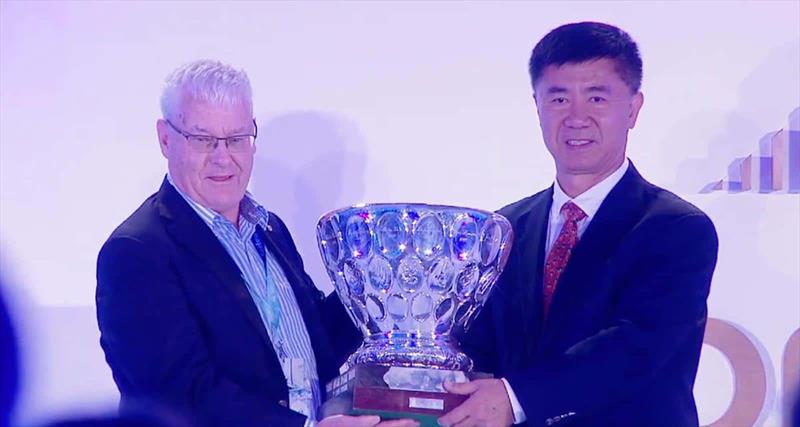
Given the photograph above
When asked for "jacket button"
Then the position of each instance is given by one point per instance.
(283, 403)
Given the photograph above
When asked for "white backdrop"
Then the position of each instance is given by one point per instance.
(367, 102)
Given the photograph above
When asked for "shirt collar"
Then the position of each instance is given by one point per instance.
(590, 200)
(249, 209)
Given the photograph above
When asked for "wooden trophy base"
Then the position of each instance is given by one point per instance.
(394, 392)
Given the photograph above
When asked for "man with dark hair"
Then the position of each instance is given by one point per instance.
(598, 319)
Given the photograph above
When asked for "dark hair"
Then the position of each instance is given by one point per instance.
(585, 41)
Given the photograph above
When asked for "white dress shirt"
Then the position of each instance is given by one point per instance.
(589, 201)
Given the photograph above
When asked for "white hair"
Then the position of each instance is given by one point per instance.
(208, 81)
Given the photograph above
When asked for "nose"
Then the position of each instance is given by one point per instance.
(578, 115)
(220, 155)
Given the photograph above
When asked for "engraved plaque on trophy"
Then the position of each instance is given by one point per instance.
(409, 275)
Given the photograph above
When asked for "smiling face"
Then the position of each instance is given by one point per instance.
(585, 111)
(216, 180)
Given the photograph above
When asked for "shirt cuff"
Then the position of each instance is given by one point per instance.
(516, 408)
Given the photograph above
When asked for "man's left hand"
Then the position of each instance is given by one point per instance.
(487, 405)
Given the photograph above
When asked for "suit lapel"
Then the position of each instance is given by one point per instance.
(189, 231)
(616, 216)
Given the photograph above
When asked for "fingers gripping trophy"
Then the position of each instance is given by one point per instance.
(409, 275)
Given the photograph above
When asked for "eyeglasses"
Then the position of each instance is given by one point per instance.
(208, 143)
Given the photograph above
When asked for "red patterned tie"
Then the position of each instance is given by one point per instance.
(561, 250)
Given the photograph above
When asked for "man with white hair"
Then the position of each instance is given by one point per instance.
(202, 300)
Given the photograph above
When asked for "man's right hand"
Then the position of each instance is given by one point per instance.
(364, 421)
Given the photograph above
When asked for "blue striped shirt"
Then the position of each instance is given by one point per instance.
(287, 332)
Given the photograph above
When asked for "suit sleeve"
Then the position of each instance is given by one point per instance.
(661, 305)
(479, 341)
(345, 337)
(155, 346)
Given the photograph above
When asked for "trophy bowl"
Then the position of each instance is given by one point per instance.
(410, 275)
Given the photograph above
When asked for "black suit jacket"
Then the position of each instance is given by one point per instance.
(622, 340)
(179, 327)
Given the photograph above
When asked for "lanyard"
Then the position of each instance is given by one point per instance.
(301, 394)
(273, 301)
(259, 244)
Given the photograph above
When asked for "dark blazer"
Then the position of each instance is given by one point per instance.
(622, 340)
(179, 327)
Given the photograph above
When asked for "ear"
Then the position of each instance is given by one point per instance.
(162, 129)
(636, 105)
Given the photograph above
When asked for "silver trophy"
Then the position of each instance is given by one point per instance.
(409, 275)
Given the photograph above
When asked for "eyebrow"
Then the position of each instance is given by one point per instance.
(591, 89)
(196, 128)
(238, 131)
(601, 88)
(555, 89)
